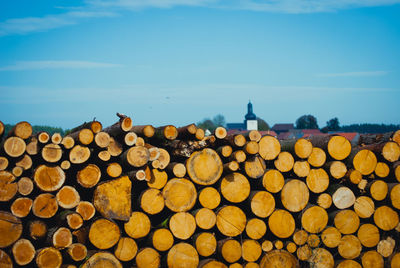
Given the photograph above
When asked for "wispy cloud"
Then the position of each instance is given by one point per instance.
(39, 24)
(52, 64)
(354, 74)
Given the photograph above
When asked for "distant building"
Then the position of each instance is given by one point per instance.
(249, 123)
(279, 128)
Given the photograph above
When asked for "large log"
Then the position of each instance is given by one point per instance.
(294, 195)
(10, 229)
(14, 146)
(126, 249)
(269, 147)
(152, 201)
(205, 244)
(273, 181)
(182, 255)
(279, 258)
(104, 234)
(231, 221)
(23, 252)
(368, 234)
(8, 186)
(209, 197)
(230, 249)
(182, 225)
(48, 178)
(22, 130)
(372, 259)
(281, 223)
(49, 257)
(102, 259)
(204, 167)
(138, 225)
(314, 219)
(262, 203)
(45, 206)
(162, 239)
(235, 187)
(179, 194)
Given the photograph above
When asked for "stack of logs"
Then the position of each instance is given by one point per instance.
(140, 196)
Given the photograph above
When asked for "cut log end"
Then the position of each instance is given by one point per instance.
(23, 252)
(49, 257)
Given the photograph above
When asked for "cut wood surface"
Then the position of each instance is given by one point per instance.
(204, 167)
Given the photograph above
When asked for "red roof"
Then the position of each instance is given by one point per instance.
(268, 132)
(263, 133)
(311, 132)
(348, 135)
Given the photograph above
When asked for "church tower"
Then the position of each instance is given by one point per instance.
(250, 121)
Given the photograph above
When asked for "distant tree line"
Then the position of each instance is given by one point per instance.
(37, 129)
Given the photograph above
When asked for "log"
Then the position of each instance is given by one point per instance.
(321, 258)
(74, 220)
(25, 162)
(168, 132)
(372, 259)
(51, 153)
(130, 138)
(349, 247)
(313, 240)
(48, 178)
(136, 156)
(273, 181)
(254, 167)
(365, 161)
(391, 151)
(303, 148)
(395, 259)
(225, 151)
(144, 131)
(346, 221)
(343, 198)
(14, 146)
(235, 187)
(162, 239)
(230, 249)
(209, 197)
(205, 218)
(104, 234)
(284, 162)
(94, 126)
(45, 206)
(68, 142)
(205, 244)
(68, 197)
(177, 169)
(291, 247)
(102, 139)
(378, 190)
(21, 207)
(48, 257)
(348, 264)
(339, 147)
(386, 246)
(102, 259)
(84, 136)
(317, 180)
(231, 220)
(112, 199)
(151, 201)
(86, 210)
(182, 225)
(114, 170)
(22, 130)
(382, 170)
(304, 253)
(396, 167)
(278, 244)
(126, 249)
(267, 246)
(60, 237)
(301, 168)
(187, 132)
(364, 206)
(158, 179)
(148, 258)
(314, 219)
(238, 156)
(10, 229)
(256, 228)
(300, 237)
(395, 196)
(3, 163)
(25, 186)
(79, 154)
(180, 195)
(210, 263)
(104, 156)
(23, 252)
(37, 229)
(200, 134)
(281, 223)
(236, 140)
(251, 250)
(77, 252)
(56, 138)
(279, 258)
(269, 147)
(32, 148)
(220, 133)
(368, 234)
(182, 255)
(17, 171)
(337, 169)
(114, 147)
(251, 147)
(262, 203)
(1, 129)
(294, 195)
(354, 176)
(324, 200)
(386, 218)
(138, 225)
(204, 167)
(317, 157)
(231, 166)
(331, 237)
(89, 176)
(8, 186)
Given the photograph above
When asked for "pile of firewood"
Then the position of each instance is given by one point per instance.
(140, 196)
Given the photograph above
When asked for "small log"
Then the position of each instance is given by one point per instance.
(182, 255)
(300, 237)
(209, 197)
(123, 125)
(220, 133)
(37, 229)
(251, 250)
(8, 186)
(68, 197)
(148, 258)
(168, 132)
(114, 147)
(281, 223)
(126, 249)
(22, 130)
(104, 234)
(337, 169)
(317, 180)
(65, 165)
(86, 210)
(273, 181)
(114, 170)
(346, 221)
(180, 195)
(136, 156)
(77, 252)
(343, 198)
(395, 196)
(364, 206)
(278, 244)
(284, 162)
(79, 154)
(269, 147)
(84, 136)
(238, 156)
(368, 234)
(177, 169)
(391, 151)
(386, 246)
(225, 151)
(314, 219)
(267, 246)
(254, 135)
(230, 249)
(372, 259)
(14, 146)
(68, 142)
(130, 138)
(182, 225)
(48, 257)
(94, 126)
(295, 195)
(102, 139)
(262, 203)
(256, 228)
(158, 179)
(56, 138)
(10, 229)
(102, 259)
(74, 220)
(254, 167)
(204, 167)
(200, 134)
(45, 206)
(3, 163)
(382, 170)
(304, 253)
(291, 247)
(301, 168)
(163, 159)
(21, 207)
(313, 240)
(321, 258)
(205, 244)
(17, 171)
(60, 237)
(251, 147)
(1, 129)
(23, 252)
(25, 162)
(104, 156)
(89, 176)
(138, 225)
(49, 178)
(365, 161)
(354, 176)
(162, 239)
(25, 186)
(317, 157)
(324, 200)
(144, 131)
(32, 148)
(236, 140)
(187, 132)
(279, 258)
(303, 148)
(331, 237)
(151, 201)
(349, 247)
(231, 166)
(378, 190)
(235, 187)
(386, 218)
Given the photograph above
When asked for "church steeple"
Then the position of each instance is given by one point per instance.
(250, 115)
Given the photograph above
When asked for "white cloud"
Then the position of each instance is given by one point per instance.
(52, 64)
(354, 74)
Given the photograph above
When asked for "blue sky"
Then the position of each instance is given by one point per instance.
(179, 61)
